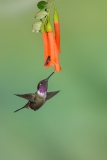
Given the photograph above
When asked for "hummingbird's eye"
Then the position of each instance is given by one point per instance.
(41, 83)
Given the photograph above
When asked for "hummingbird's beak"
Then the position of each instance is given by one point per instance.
(50, 75)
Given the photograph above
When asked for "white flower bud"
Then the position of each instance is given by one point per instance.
(41, 14)
(36, 26)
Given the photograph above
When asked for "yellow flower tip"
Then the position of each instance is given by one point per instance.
(56, 17)
(43, 28)
(48, 27)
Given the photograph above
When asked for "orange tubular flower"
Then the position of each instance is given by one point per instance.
(57, 67)
(46, 47)
(51, 38)
(52, 47)
(51, 41)
(57, 30)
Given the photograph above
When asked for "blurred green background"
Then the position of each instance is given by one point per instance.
(72, 125)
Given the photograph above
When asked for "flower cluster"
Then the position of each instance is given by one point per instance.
(51, 38)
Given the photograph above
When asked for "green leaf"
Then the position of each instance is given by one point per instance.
(42, 4)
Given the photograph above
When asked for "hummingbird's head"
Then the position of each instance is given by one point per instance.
(43, 85)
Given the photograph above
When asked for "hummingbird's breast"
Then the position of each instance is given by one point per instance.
(39, 101)
(42, 94)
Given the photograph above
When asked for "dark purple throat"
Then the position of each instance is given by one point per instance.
(42, 90)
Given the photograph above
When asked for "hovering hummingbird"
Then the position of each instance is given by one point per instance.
(37, 100)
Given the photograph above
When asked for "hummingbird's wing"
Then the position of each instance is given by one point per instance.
(51, 94)
(30, 97)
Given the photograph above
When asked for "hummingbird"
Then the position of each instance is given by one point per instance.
(38, 99)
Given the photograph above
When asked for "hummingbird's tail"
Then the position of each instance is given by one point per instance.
(19, 109)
